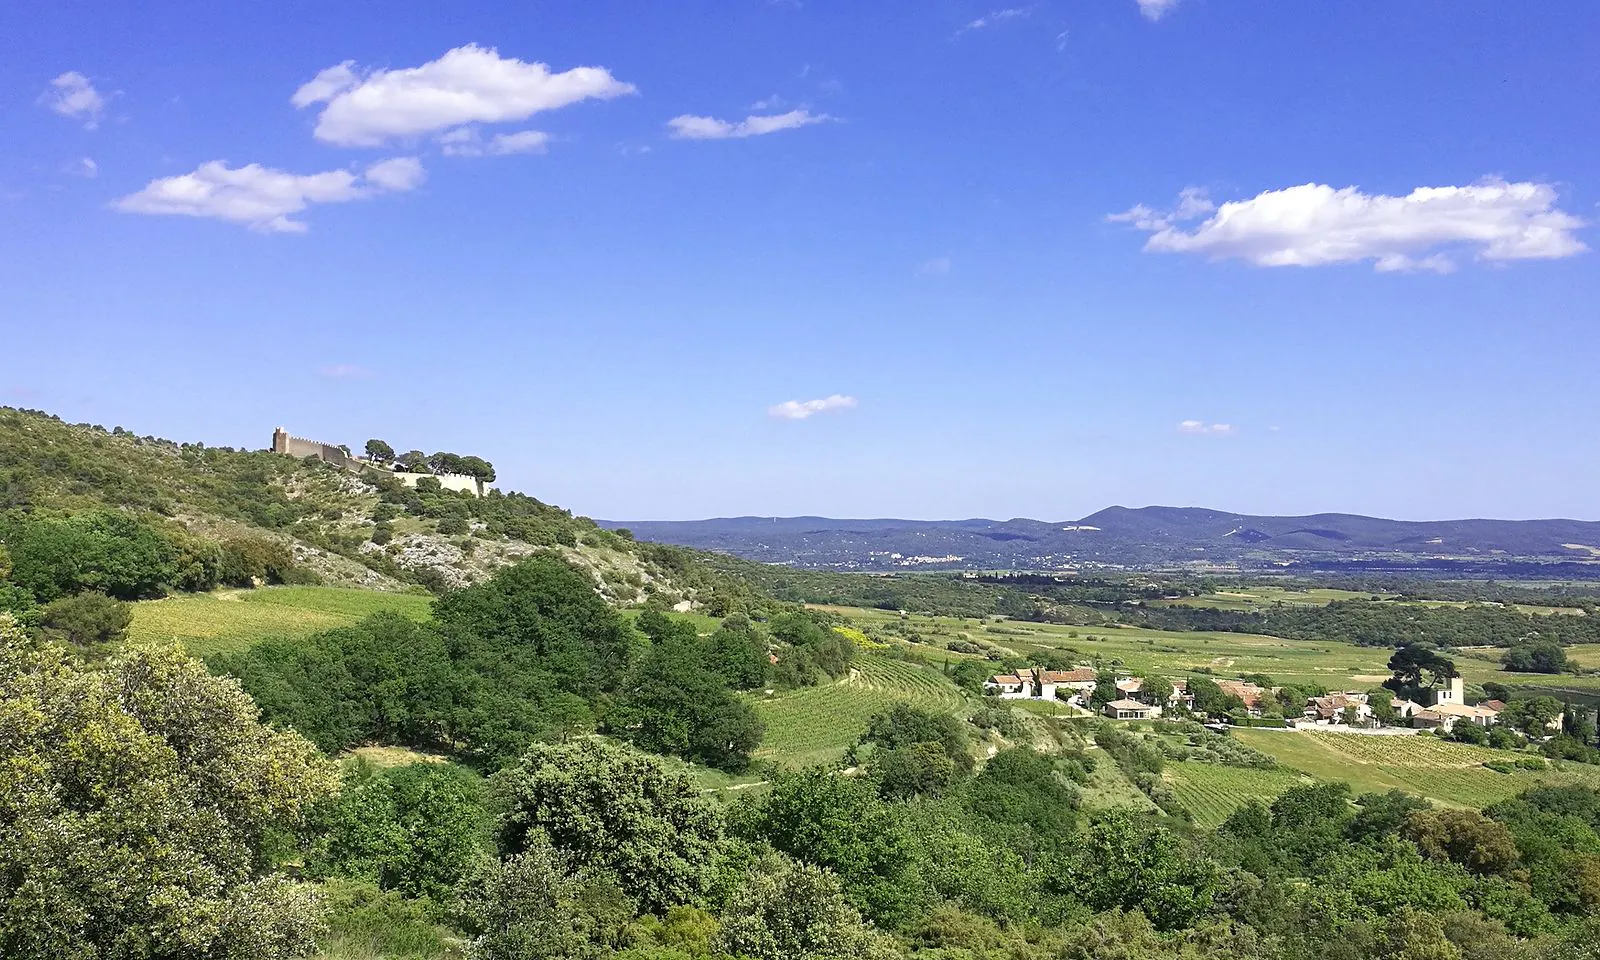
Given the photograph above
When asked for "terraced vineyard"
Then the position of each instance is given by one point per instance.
(1211, 791)
(1451, 774)
(231, 620)
(816, 724)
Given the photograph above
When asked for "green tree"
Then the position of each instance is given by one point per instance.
(1418, 667)
(137, 806)
(737, 652)
(476, 467)
(412, 461)
(547, 904)
(1532, 715)
(1381, 700)
(247, 561)
(541, 616)
(1157, 690)
(1537, 656)
(420, 829)
(1466, 837)
(617, 810)
(379, 452)
(1105, 689)
(1122, 863)
(85, 620)
(841, 824)
(108, 552)
(1025, 799)
(1412, 934)
(785, 910)
(674, 704)
(915, 752)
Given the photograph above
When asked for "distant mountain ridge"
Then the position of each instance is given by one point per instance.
(1132, 537)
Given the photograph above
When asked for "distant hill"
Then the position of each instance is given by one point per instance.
(1151, 537)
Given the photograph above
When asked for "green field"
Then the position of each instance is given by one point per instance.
(229, 621)
(815, 724)
(1331, 663)
(703, 624)
(1451, 774)
(1211, 791)
(1258, 597)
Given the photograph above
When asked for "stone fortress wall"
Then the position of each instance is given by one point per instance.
(291, 446)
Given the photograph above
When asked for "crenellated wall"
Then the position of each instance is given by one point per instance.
(291, 446)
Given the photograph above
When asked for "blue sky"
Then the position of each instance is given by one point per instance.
(948, 259)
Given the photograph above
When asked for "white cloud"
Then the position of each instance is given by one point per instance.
(326, 85)
(994, 17)
(84, 167)
(1156, 9)
(936, 267)
(773, 102)
(72, 96)
(469, 84)
(468, 142)
(801, 409)
(1316, 224)
(1201, 428)
(689, 127)
(397, 174)
(263, 198)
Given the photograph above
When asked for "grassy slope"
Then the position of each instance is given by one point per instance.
(231, 620)
(1330, 663)
(1451, 774)
(1211, 791)
(816, 724)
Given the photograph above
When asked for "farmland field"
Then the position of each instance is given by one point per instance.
(1211, 791)
(1330, 663)
(816, 724)
(1257, 597)
(1451, 774)
(228, 621)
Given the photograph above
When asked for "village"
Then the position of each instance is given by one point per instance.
(1119, 697)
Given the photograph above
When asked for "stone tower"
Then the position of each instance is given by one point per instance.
(280, 441)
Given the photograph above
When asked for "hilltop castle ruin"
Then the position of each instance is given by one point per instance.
(340, 456)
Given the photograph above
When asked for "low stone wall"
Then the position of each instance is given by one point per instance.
(290, 446)
(449, 481)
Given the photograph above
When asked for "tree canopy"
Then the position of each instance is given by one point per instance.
(136, 805)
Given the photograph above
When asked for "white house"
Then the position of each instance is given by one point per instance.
(1071, 685)
(1009, 686)
(1128, 710)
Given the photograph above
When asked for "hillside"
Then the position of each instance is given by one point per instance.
(330, 525)
(1150, 537)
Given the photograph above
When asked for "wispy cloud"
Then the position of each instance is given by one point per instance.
(1201, 428)
(84, 167)
(468, 142)
(689, 127)
(469, 84)
(994, 18)
(71, 95)
(802, 409)
(1156, 9)
(935, 267)
(1316, 224)
(345, 371)
(265, 199)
